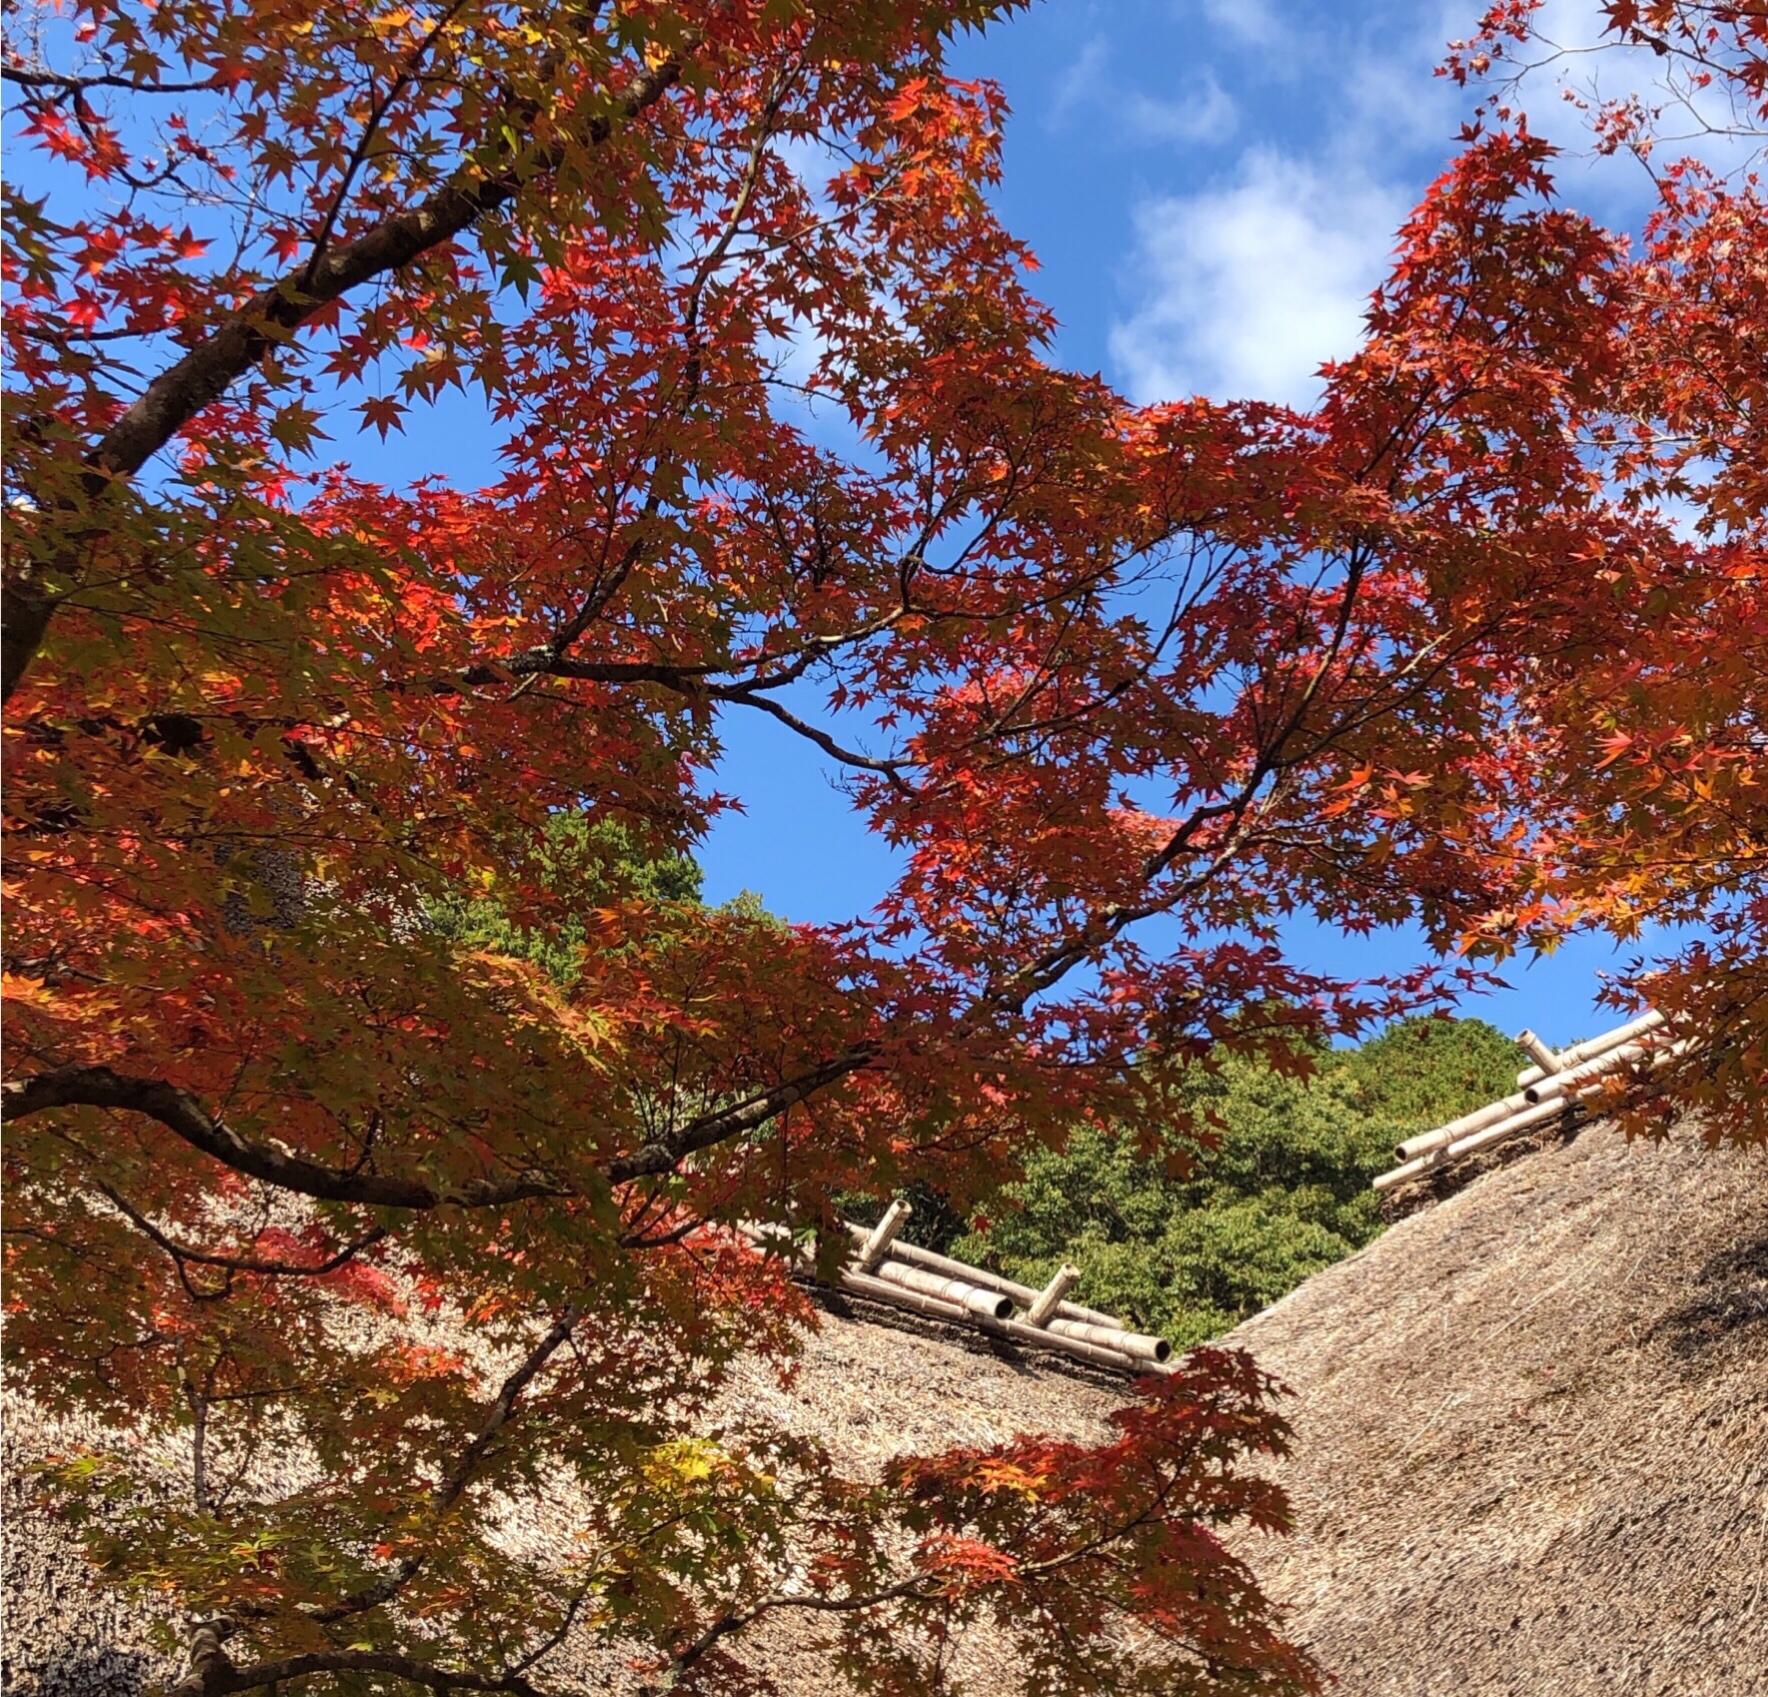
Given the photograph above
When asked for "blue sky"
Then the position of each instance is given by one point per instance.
(1212, 188)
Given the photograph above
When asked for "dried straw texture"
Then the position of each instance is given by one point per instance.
(1531, 1451)
(61, 1634)
(872, 1383)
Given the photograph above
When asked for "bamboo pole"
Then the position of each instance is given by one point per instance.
(890, 1290)
(1609, 1061)
(1104, 1355)
(882, 1290)
(1483, 1138)
(1562, 1082)
(991, 1304)
(1131, 1343)
(1049, 1299)
(1542, 1090)
(1561, 1096)
(1024, 1295)
(1494, 1113)
(1578, 1053)
(1545, 1059)
(882, 1236)
(774, 1240)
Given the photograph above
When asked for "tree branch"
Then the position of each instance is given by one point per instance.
(447, 1491)
(78, 85)
(272, 316)
(182, 1252)
(212, 1674)
(370, 129)
(182, 1114)
(666, 1153)
(274, 313)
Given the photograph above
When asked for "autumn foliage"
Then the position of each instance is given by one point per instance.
(1650, 777)
(291, 1162)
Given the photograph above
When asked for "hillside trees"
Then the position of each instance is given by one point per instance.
(292, 1167)
(1196, 1233)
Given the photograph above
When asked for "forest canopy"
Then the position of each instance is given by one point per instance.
(1188, 1237)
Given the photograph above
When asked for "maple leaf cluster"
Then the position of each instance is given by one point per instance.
(295, 1167)
(1651, 768)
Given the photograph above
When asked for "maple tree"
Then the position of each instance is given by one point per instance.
(1651, 768)
(295, 1159)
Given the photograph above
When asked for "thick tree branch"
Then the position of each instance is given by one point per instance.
(371, 128)
(212, 1674)
(182, 1114)
(667, 1153)
(273, 315)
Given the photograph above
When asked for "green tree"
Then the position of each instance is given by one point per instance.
(1425, 1071)
(585, 864)
(1192, 1238)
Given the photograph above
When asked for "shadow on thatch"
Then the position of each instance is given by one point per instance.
(109, 1673)
(64, 1635)
(1734, 1295)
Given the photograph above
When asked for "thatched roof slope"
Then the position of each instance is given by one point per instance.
(873, 1382)
(1531, 1447)
(1532, 1435)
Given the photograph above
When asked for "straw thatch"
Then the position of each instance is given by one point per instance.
(1532, 1446)
(873, 1382)
(1532, 1434)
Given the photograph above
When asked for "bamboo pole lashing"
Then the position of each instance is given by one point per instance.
(1023, 1294)
(1578, 1053)
(1049, 1299)
(984, 1315)
(1526, 1119)
(1610, 1061)
(882, 1290)
(1542, 1090)
(1539, 1114)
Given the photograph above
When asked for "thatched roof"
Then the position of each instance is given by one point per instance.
(1532, 1434)
(1531, 1445)
(873, 1382)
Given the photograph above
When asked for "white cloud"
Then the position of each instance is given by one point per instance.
(1246, 291)
(1081, 82)
(1393, 102)
(1206, 114)
(1246, 20)
(1202, 112)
